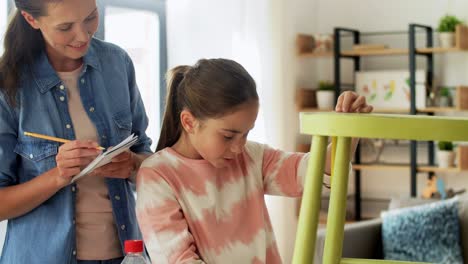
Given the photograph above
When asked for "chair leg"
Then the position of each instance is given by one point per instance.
(310, 207)
(337, 209)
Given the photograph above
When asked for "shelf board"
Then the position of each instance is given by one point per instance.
(439, 50)
(437, 169)
(316, 54)
(375, 52)
(377, 166)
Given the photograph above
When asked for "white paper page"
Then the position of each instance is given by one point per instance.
(107, 156)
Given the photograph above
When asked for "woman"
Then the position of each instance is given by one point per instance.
(57, 80)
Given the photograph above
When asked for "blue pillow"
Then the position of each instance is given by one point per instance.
(426, 233)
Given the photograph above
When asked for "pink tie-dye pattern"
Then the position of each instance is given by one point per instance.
(227, 223)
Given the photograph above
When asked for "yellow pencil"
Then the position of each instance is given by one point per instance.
(56, 139)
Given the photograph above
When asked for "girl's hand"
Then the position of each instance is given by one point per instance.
(120, 167)
(72, 157)
(351, 102)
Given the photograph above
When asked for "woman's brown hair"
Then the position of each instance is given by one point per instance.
(22, 44)
(211, 88)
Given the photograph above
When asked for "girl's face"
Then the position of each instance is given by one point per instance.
(67, 28)
(219, 140)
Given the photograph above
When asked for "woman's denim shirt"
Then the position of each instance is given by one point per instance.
(111, 98)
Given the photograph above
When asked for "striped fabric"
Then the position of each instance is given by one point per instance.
(192, 212)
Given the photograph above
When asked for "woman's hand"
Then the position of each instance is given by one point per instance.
(121, 166)
(72, 157)
(351, 102)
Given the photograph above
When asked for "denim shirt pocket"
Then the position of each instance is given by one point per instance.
(38, 157)
(123, 123)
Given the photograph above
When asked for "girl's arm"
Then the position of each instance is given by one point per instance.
(162, 223)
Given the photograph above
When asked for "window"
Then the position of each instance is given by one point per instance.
(138, 26)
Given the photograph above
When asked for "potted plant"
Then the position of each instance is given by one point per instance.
(447, 25)
(446, 155)
(326, 95)
(444, 97)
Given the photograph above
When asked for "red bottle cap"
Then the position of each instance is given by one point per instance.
(133, 246)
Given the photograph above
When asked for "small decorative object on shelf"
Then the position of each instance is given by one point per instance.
(305, 44)
(462, 157)
(447, 25)
(326, 95)
(462, 98)
(390, 89)
(446, 155)
(445, 100)
(305, 98)
(323, 43)
(436, 189)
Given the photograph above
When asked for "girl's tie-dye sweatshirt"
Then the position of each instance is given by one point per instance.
(192, 212)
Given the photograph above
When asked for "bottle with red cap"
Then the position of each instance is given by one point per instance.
(134, 252)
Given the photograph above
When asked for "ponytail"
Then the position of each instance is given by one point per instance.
(171, 127)
(22, 43)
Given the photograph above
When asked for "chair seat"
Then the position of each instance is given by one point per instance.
(385, 126)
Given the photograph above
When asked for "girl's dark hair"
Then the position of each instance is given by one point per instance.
(22, 43)
(211, 88)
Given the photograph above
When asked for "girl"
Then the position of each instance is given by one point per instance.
(201, 197)
(57, 80)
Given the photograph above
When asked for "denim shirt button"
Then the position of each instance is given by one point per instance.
(123, 227)
(31, 156)
(68, 126)
(117, 197)
(91, 109)
(62, 98)
(82, 80)
(74, 252)
(62, 87)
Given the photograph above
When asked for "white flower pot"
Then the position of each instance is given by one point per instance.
(446, 158)
(326, 100)
(447, 39)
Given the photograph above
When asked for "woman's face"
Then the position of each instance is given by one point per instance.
(67, 28)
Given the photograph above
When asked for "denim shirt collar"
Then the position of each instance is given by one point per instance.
(45, 75)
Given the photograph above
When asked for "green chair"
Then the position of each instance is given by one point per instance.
(344, 127)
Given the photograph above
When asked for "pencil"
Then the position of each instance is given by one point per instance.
(56, 139)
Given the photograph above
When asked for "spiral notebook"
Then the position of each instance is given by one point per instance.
(107, 156)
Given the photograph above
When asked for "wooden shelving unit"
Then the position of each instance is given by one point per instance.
(438, 50)
(376, 52)
(316, 55)
(461, 104)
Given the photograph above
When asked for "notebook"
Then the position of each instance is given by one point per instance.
(107, 156)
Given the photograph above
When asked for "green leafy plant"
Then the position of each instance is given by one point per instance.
(444, 91)
(326, 86)
(448, 23)
(445, 145)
